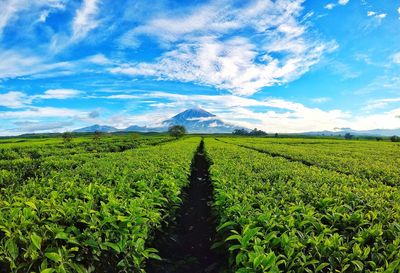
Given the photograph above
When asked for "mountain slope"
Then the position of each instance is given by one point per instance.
(199, 121)
(143, 129)
(96, 127)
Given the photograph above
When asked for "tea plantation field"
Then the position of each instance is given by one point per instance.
(113, 203)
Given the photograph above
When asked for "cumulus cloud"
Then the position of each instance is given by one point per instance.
(386, 120)
(14, 99)
(59, 94)
(206, 46)
(343, 2)
(271, 115)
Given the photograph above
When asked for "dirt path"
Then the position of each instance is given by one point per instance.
(186, 246)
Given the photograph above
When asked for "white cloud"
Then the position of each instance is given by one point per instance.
(386, 120)
(59, 94)
(343, 69)
(376, 14)
(320, 100)
(386, 83)
(380, 103)
(381, 15)
(43, 112)
(85, 19)
(14, 99)
(43, 16)
(99, 59)
(17, 99)
(272, 115)
(231, 64)
(22, 63)
(330, 6)
(396, 58)
(40, 126)
(206, 47)
(15, 64)
(11, 10)
(123, 96)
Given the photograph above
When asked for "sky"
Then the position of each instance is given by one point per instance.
(280, 66)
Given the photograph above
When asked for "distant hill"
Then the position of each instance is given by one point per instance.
(98, 128)
(144, 129)
(375, 132)
(195, 121)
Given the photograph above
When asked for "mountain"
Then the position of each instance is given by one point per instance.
(199, 121)
(195, 121)
(144, 129)
(375, 132)
(96, 127)
(378, 132)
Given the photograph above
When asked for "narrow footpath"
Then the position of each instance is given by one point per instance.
(185, 247)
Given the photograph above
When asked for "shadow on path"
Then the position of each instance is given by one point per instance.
(185, 248)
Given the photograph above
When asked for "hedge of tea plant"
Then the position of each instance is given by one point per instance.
(21, 161)
(282, 216)
(366, 159)
(96, 216)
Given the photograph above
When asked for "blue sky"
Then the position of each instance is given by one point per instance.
(282, 66)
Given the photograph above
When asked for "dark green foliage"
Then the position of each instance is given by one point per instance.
(395, 139)
(244, 132)
(256, 132)
(348, 136)
(177, 131)
(67, 137)
(97, 135)
(240, 132)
